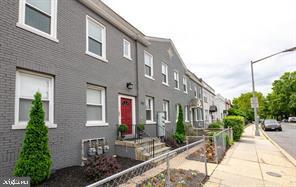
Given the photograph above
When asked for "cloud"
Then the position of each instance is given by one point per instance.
(218, 39)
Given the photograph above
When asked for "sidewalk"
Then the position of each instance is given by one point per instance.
(254, 161)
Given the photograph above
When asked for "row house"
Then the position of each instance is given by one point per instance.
(94, 71)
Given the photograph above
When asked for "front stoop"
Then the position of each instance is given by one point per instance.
(141, 150)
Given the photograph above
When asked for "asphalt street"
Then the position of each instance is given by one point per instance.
(286, 138)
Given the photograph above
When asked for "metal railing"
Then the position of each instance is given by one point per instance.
(172, 159)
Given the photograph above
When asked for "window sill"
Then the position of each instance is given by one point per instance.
(96, 124)
(177, 89)
(129, 58)
(35, 31)
(96, 56)
(166, 84)
(185, 92)
(167, 122)
(23, 125)
(149, 77)
(150, 122)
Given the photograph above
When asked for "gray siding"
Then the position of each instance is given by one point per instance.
(72, 69)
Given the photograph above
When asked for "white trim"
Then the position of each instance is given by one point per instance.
(150, 122)
(166, 108)
(195, 92)
(22, 125)
(129, 49)
(186, 110)
(152, 64)
(53, 21)
(133, 110)
(149, 77)
(103, 104)
(185, 84)
(166, 84)
(103, 57)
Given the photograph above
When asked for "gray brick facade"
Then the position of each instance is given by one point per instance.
(72, 69)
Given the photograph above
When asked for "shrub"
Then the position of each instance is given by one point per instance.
(141, 127)
(123, 128)
(189, 130)
(35, 158)
(99, 167)
(216, 125)
(180, 130)
(237, 124)
(171, 142)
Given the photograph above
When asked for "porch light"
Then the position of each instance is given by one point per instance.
(129, 85)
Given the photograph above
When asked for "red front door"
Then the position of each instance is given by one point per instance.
(127, 113)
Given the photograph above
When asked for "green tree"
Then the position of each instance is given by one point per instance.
(282, 99)
(242, 106)
(35, 158)
(180, 130)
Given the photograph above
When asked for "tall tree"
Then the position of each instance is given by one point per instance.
(35, 158)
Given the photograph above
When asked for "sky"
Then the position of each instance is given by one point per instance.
(218, 39)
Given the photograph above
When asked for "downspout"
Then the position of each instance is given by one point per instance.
(137, 83)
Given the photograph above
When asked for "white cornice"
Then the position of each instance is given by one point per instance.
(107, 13)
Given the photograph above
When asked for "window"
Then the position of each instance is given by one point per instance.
(95, 106)
(165, 108)
(95, 39)
(199, 93)
(127, 49)
(149, 109)
(186, 113)
(177, 111)
(199, 114)
(39, 17)
(205, 99)
(164, 73)
(27, 84)
(148, 59)
(190, 84)
(195, 92)
(185, 85)
(176, 78)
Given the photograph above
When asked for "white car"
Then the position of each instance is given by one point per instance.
(292, 119)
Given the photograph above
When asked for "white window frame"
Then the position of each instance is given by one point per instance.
(53, 21)
(103, 57)
(177, 111)
(20, 124)
(151, 108)
(148, 76)
(176, 78)
(103, 104)
(190, 84)
(166, 108)
(165, 73)
(186, 110)
(185, 84)
(128, 56)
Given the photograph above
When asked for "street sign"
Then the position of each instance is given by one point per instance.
(254, 102)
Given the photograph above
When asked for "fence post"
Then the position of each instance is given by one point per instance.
(205, 155)
(168, 178)
(223, 141)
(153, 148)
(216, 148)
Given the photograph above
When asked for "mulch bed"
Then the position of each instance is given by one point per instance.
(178, 178)
(198, 155)
(74, 175)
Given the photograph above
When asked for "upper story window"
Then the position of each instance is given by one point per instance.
(39, 17)
(164, 73)
(127, 49)
(195, 92)
(149, 109)
(95, 106)
(185, 85)
(176, 79)
(190, 84)
(148, 59)
(199, 93)
(95, 39)
(205, 99)
(27, 84)
(165, 109)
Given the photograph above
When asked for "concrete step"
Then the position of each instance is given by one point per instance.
(157, 145)
(157, 152)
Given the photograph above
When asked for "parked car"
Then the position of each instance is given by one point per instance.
(292, 119)
(271, 124)
(285, 120)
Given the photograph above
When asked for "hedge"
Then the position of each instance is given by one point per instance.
(237, 125)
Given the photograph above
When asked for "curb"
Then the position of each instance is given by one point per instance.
(287, 155)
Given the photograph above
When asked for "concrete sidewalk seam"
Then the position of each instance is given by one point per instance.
(285, 153)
